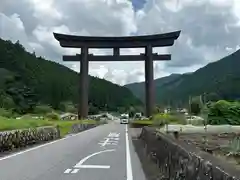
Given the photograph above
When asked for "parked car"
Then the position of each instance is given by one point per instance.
(138, 116)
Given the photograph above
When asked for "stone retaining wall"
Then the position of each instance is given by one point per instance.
(76, 128)
(12, 140)
(22, 138)
(178, 160)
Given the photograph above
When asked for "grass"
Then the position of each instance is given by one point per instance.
(160, 119)
(143, 122)
(140, 123)
(13, 124)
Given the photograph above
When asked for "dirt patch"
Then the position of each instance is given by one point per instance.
(216, 144)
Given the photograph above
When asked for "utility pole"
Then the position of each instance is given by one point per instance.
(190, 109)
(205, 116)
(189, 104)
(204, 98)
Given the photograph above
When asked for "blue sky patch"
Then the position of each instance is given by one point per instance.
(138, 4)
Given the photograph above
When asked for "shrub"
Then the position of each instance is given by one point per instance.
(42, 109)
(53, 116)
(223, 112)
(159, 119)
(6, 102)
(26, 116)
(6, 113)
(67, 107)
(162, 119)
(234, 146)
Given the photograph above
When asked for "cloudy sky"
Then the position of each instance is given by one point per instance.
(210, 30)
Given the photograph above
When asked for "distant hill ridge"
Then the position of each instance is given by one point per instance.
(220, 79)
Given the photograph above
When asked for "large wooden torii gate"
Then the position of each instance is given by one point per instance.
(86, 42)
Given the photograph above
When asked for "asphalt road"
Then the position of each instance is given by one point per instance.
(102, 153)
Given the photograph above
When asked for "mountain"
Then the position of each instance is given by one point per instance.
(219, 80)
(138, 89)
(51, 83)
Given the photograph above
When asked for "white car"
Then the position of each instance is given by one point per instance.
(124, 119)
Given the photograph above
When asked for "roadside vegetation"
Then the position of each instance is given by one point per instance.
(13, 121)
(160, 119)
(221, 112)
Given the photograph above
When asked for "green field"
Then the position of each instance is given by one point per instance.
(142, 122)
(13, 124)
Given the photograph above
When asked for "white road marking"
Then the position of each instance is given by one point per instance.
(67, 171)
(95, 167)
(105, 142)
(75, 171)
(111, 139)
(128, 157)
(113, 134)
(80, 164)
(115, 139)
(43, 145)
(114, 143)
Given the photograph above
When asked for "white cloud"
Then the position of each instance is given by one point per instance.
(14, 25)
(43, 11)
(12, 28)
(210, 30)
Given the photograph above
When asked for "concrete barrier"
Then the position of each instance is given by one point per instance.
(178, 160)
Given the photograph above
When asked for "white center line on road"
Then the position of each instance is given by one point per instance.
(128, 157)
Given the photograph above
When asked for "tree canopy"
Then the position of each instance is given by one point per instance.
(29, 80)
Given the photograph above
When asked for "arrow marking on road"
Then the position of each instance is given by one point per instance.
(80, 164)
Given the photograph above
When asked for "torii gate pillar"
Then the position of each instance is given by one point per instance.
(83, 85)
(149, 81)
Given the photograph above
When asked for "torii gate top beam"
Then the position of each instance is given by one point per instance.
(157, 40)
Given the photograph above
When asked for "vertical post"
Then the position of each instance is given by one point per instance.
(83, 88)
(116, 51)
(149, 81)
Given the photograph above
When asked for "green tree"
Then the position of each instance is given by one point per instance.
(131, 112)
(24, 98)
(224, 112)
(195, 105)
(93, 109)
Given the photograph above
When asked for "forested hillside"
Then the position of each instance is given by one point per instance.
(27, 80)
(138, 89)
(219, 80)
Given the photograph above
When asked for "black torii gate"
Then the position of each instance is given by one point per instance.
(115, 43)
